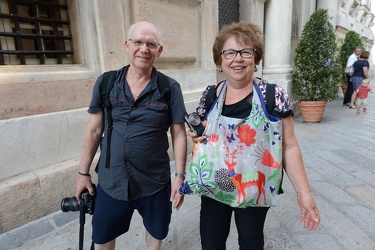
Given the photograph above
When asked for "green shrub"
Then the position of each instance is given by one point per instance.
(317, 72)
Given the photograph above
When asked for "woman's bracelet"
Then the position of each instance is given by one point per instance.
(88, 175)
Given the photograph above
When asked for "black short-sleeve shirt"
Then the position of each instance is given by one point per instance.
(139, 162)
(358, 68)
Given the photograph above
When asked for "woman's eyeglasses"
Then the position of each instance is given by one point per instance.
(232, 53)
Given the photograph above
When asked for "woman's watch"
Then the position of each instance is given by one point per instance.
(181, 175)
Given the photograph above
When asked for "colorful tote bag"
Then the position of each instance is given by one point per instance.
(240, 163)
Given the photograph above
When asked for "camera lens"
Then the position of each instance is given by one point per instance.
(194, 119)
(70, 204)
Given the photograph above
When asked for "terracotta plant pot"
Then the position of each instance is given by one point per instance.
(312, 111)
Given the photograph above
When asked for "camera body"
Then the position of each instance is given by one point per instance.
(87, 203)
(194, 123)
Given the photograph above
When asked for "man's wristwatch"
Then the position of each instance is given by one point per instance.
(181, 175)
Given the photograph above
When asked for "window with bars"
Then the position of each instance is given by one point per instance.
(35, 32)
(228, 12)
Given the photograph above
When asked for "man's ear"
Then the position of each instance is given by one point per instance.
(160, 50)
(126, 44)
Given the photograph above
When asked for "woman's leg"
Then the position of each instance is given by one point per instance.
(356, 83)
(250, 224)
(354, 96)
(215, 220)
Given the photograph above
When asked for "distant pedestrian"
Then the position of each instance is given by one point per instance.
(361, 69)
(351, 60)
(362, 93)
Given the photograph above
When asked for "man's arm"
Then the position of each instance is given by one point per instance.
(93, 135)
(352, 58)
(178, 134)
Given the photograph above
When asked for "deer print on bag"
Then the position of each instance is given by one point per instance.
(244, 180)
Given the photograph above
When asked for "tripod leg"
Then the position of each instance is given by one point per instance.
(81, 226)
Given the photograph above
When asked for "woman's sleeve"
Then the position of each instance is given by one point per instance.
(283, 107)
(201, 110)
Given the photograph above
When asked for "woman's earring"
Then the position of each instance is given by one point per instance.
(256, 69)
(220, 69)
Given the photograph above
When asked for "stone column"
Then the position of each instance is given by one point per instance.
(347, 6)
(331, 6)
(277, 67)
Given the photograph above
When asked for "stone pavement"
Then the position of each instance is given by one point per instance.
(339, 156)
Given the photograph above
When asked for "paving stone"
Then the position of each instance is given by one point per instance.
(334, 194)
(364, 217)
(365, 193)
(343, 229)
(318, 242)
(16, 238)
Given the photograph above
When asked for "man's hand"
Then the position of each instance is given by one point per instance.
(82, 183)
(176, 197)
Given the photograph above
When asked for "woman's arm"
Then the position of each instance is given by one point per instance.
(293, 164)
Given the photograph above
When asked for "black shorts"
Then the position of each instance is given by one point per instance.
(112, 217)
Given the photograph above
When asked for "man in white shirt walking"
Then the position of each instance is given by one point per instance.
(352, 59)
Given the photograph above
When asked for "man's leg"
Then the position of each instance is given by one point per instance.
(349, 91)
(111, 219)
(107, 246)
(152, 243)
(156, 211)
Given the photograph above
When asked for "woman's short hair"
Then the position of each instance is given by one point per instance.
(244, 32)
(365, 55)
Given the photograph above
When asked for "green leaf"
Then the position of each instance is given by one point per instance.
(317, 74)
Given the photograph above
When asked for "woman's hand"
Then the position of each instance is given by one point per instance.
(194, 137)
(309, 211)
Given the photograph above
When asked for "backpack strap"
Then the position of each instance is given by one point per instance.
(164, 88)
(165, 92)
(105, 88)
(210, 97)
(270, 97)
(270, 103)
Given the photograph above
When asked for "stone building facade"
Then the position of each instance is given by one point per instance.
(44, 98)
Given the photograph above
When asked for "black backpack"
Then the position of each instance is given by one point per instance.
(106, 86)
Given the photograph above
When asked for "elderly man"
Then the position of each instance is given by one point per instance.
(136, 175)
(351, 60)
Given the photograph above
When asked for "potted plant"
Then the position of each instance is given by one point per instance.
(351, 41)
(317, 72)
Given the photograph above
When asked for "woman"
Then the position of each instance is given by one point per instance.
(361, 68)
(237, 50)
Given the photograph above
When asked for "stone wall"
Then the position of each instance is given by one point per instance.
(44, 116)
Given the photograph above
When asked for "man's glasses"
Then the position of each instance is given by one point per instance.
(139, 43)
(232, 53)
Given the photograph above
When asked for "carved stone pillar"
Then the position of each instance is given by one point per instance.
(331, 6)
(277, 66)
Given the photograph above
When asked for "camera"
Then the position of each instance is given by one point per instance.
(71, 204)
(194, 123)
